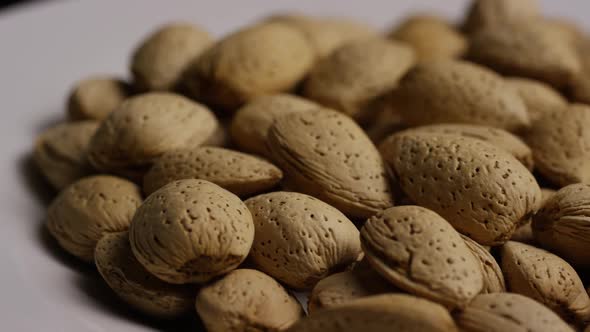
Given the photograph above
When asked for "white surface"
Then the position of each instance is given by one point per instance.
(46, 47)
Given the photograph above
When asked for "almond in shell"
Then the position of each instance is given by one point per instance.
(95, 98)
(493, 13)
(493, 279)
(539, 98)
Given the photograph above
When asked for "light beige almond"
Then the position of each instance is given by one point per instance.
(420, 252)
(452, 91)
(89, 209)
(145, 127)
(249, 126)
(561, 145)
(495, 136)
(247, 300)
(240, 173)
(547, 278)
(380, 313)
(493, 13)
(299, 239)
(161, 58)
(96, 97)
(502, 312)
(483, 191)
(493, 279)
(431, 37)
(563, 224)
(355, 75)
(136, 286)
(326, 154)
(191, 231)
(538, 97)
(262, 59)
(60, 152)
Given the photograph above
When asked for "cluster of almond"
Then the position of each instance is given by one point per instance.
(397, 183)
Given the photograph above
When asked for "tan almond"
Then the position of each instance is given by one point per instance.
(161, 58)
(299, 239)
(493, 279)
(483, 191)
(96, 97)
(145, 127)
(539, 98)
(420, 252)
(547, 278)
(580, 87)
(249, 126)
(247, 300)
(453, 91)
(501, 312)
(524, 233)
(495, 13)
(326, 154)
(60, 152)
(380, 313)
(191, 231)
(563, 224)
(357, 74)
(89, 209)
(560, 142)
(240, 173)
(262, 59)
(131, 282)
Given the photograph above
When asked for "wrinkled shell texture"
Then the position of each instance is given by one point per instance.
(90, 208)
(146, 126)
(380, 313)
(431, 38)
(357, 73)
(95, 98)
(60, 152)
(495, 136)
(444, 91)
(539, 98)
(495, 13)
(300, 239)
(483, 191)
(563, 224)
(136, 286)
(493, 279)
(240, 173)
(262, 59)
(327, 155)
(156, 67)
(421, 253)
(547, 278)
(561, 145)
(247, 300)
(191, 231)
(250, 124)
(502, 312)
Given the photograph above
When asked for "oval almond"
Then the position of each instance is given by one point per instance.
(96, 97)
(538, 97)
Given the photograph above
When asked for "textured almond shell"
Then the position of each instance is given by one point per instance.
(300, 239)
(96, 97)
(420, 252)
(493, 279)
(327, 155)
(191, 231)
(483, 191)
(538, 97)
(247, 300)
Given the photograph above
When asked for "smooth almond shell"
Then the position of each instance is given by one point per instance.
(95, 98)
(327, 155)
(493, 13)
(538, 97)
(420, 252)
(493, 279)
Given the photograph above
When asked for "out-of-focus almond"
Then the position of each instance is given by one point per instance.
(493, 13)
(96, 97)
(538, 97)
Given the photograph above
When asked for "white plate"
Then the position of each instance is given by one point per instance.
(46, 47)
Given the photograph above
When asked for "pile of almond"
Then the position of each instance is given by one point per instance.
(431, 178)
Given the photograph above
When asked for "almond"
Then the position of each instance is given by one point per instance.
(191, 231)
(483, 191)
(563, 224)
(240, 173)
(89, 209)
(96, 97)
(524, 233)
(380, 313)
(444, 91)
(495, 13)
(250, 124)
(561, 145)
(547, 278)
(420, 252)
(60, 152)
(327, 155)
(247, 300)
(501, 312)
(493, 279)
(136, 286)
(299, 239)
(356, 74)
(538, 97)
